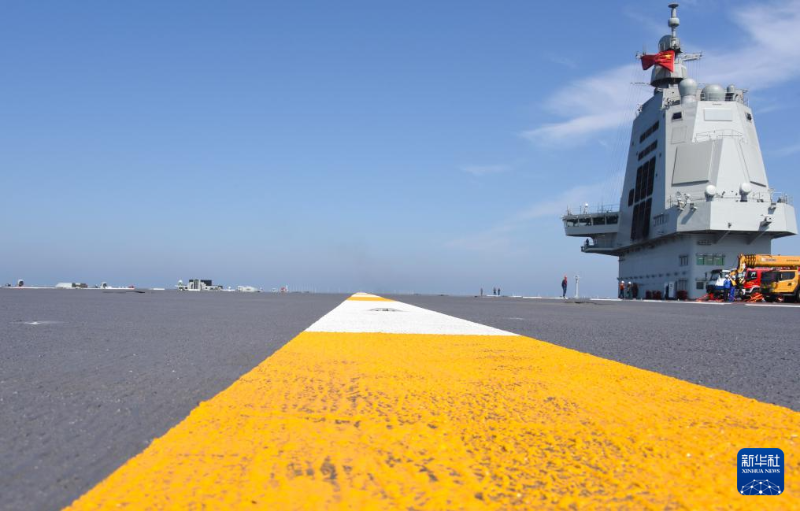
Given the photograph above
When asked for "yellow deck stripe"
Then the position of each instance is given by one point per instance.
(393, 421)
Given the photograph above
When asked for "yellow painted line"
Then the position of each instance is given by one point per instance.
(406, 421)
(367, 297)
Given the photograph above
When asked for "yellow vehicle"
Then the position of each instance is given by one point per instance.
(766, 261)
(781, 285)
(775, 276)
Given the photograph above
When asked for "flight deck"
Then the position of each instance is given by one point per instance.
(327, 401)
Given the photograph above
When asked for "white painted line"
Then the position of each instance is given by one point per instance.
(396, 318)
(635, 300)
(772, 305)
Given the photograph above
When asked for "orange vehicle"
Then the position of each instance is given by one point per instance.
(774, 276)
(751, 281)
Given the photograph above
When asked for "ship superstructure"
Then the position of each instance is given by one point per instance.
(695, 193)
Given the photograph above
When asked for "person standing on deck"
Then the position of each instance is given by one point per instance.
(564, 287)
(730, 290)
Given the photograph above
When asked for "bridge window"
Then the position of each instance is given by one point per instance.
(645, 178)
(640, 222)
(677, 116)
(645, 220)
(652, 129)
(649, 149)
(710, 260)
(639, 186)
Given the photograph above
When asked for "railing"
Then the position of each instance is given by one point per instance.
(772, 197)
(781, 198)
(601, 209)
(717, 134)
(597, 244)
(604, 215)
(591, 221)
(740, 97)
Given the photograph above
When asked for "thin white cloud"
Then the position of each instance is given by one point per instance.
(502, 235)
(787, 150)
(648, 22)
(575, 129)
(770, 56)
(562, 60)
(766, 103)
(498, 238)
(557, 206)
(591, 104)
(482, 170)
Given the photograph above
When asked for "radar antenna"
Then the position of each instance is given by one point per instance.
(673, 20)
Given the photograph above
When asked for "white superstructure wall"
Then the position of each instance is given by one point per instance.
(686, 260)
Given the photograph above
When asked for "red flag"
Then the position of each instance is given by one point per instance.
(665, 59)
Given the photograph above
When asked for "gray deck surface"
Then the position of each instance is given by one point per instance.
(105, 373)
(749, 350)
(83, 394)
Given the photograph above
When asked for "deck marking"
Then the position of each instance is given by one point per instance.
(365, 420)
(396, 318)
(366, 297)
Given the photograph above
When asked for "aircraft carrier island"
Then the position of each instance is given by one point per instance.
(695, 193)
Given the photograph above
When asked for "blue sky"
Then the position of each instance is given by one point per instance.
(414, 146)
